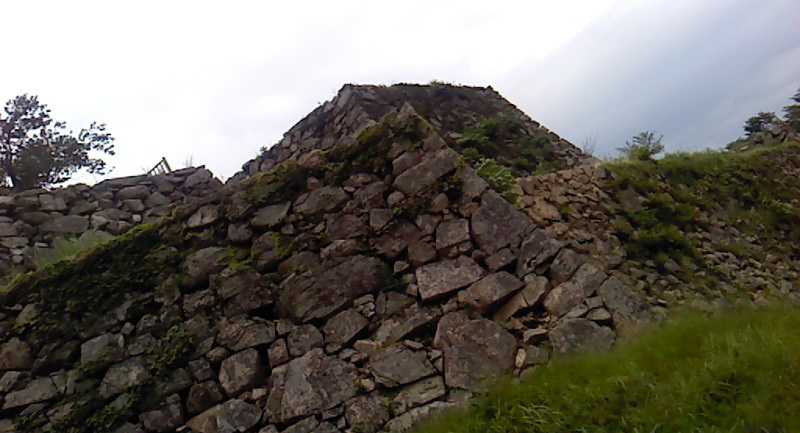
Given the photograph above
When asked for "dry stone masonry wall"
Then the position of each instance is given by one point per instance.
(355, 290)
(31, 220)
(449, 109)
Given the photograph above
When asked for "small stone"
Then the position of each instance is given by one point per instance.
(278, 353)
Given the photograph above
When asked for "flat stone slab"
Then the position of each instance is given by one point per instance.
(441, 278)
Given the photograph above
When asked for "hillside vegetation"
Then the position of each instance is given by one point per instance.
(734, 372)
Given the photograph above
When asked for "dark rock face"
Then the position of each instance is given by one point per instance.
(319, 296)
(575, 334)
(441, 278)
(310, 384)
(397, 365)
(475, 350)
(497, 223)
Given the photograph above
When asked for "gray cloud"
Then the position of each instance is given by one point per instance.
(189, 78)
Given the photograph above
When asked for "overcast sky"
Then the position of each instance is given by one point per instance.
(215, 81)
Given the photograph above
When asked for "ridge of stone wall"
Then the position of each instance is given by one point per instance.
(450, 109)
(32, 219)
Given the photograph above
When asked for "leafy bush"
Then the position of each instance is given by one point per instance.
(642, 147)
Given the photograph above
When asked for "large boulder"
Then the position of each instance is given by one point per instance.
(318, 296)
(242, 371)
(427, 172)
(475, 350)
(439, 279)
(489, 291)
(309, 385)
(628, 307)
(398, 365)
(497, 223)
(580, 334)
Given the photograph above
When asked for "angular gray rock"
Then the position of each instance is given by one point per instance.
(241, 371)
(103, 348)
(242, 332)
(452, 232)
(489, 291)
(572, 293)
(366, 413)
(418, 393)
(441, 278)
(497, 223)
(307, 298)
(572, 335)
(124, 376)
(427, 172)
(270, 216)
(325, 199)
(204, 216)
(564, 265)
(405, 322)
(41, 389)
(302, 339)
(345, 227)
(627, 307)
(203, 396)
(15, 355)
(475, 350)
(537, 249)
(530, 296)
(202, 263)
(74, 224)
(309, 385)
(165, 419)
(133, 192)
(344, 327)
(420, 253)
(397, 365)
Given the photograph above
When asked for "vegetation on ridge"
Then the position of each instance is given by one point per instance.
(663, 202)
(734, 372)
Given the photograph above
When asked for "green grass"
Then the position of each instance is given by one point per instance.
(683, 192)
(738, 371)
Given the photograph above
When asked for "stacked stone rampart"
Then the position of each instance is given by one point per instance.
(31, 220)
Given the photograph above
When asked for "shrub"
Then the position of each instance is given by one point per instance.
(642, 147)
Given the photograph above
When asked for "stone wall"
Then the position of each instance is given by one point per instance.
(32, 219)
(450, 109)
(354, 295)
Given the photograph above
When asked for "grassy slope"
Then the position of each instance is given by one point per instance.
(735, 372)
